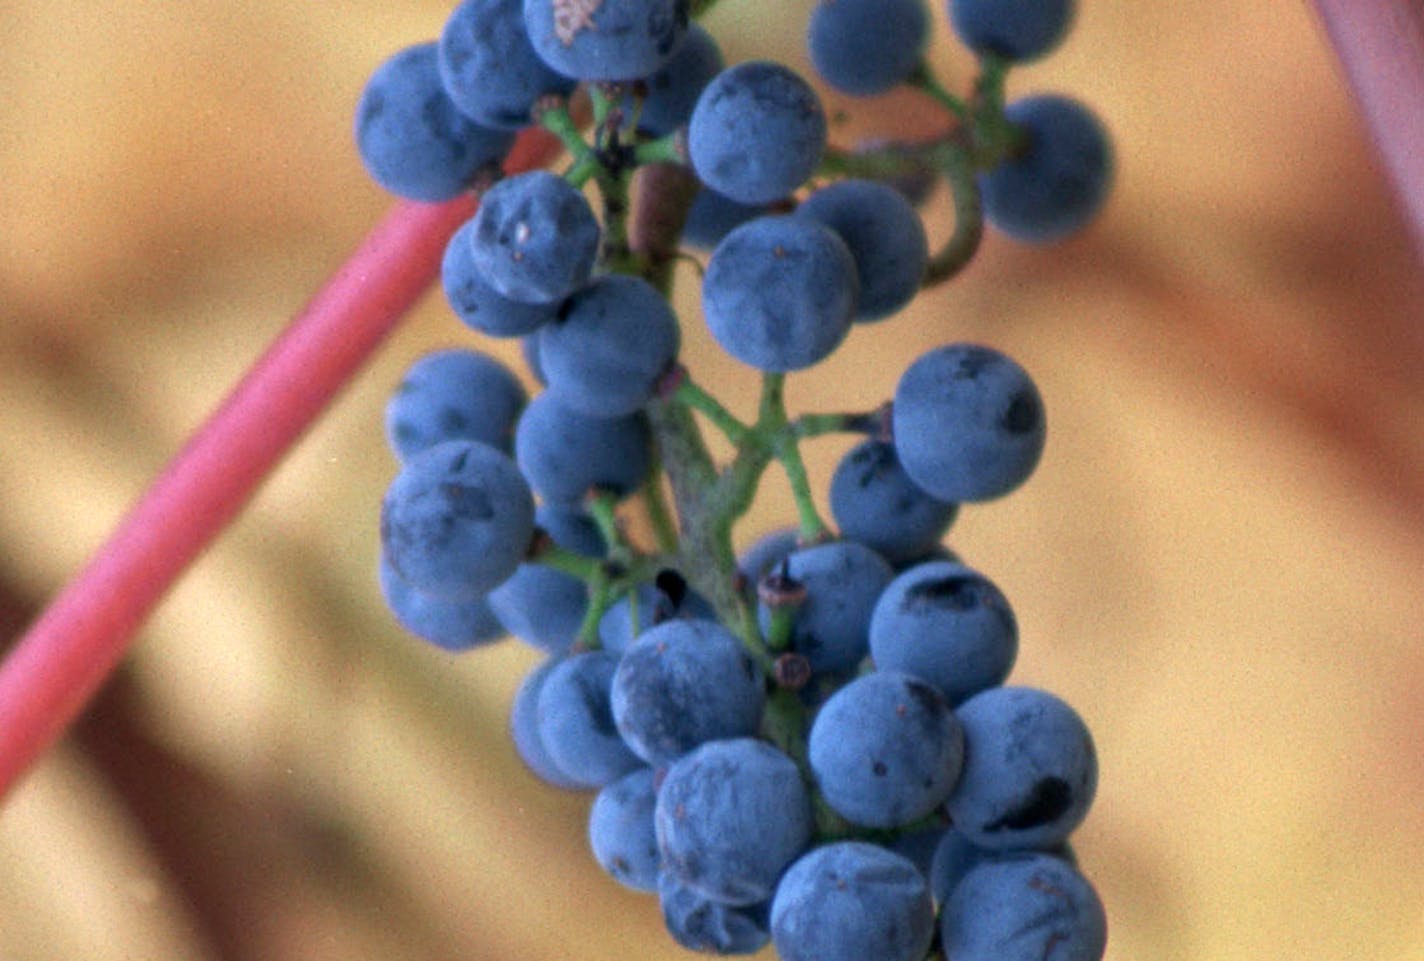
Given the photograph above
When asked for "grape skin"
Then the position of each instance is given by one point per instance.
(1024, 908)
(524, 730)
(1059, 182)
(874, 501)
(780, 293)
(608, 40)
(459, 625)
(412, 140)
(682, 683)
(534, 238)
(475, 303)
(852, 901)
(457, 520)
(1030, 770)
(843, 579)
(948, 625)
(620, 831)
(488, 66)
(886, 750)
(701, 924)
(576, 723)
(968, 423)
(867, 47)
(714, 832)
(611, 343)
(565, 454)
(883, 234)
(757, 132)
(542, 606)
(454, 395)
(1017, 30)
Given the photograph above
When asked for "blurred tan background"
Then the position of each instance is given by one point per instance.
(1218, 562)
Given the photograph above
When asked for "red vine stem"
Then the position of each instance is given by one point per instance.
(1380, 43)
(78, 641)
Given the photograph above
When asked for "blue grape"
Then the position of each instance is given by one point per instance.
(489, 67)
(1015, 30)
(682, 683)
(713, 216)
(874, 501)
(883, 234)
(606, 39)
(757, 132)
(780, 293)
(968, 423)
(524, 730)
(867, 47)
(647, 605)
(620, 830)
(731, 815)
(955, 855)
(411, 138)
(1060, 179)
(886, 750)
(701, 924)
(476, 304)
(565, 454)
(454, 395)
(852, 901)
(673, 90)
(457, 520)
(1030, 770)
(576, 722)
(843, 580)
(947, 625)
(534, 238)
(1024, 908)
(540, 605)
(457, 625)
(612, 341)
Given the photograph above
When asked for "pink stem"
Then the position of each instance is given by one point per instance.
(78, 641)
(1381, 45)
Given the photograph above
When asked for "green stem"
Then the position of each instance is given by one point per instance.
(710, 407)
(664, 150)
(772, 424)
(924, 79)
(570, 562)
(961, 246)
(553, 115)
(599, 597)
(603, 508)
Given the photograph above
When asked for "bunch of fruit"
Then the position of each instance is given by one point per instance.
(809, 744)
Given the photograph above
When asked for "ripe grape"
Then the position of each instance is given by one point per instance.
(534, 238)
(456, 521)
(757, 132)
(412, 139)
(780, 292)
(968, 423)
(867, 47)
(1059, 180)
(489, 67)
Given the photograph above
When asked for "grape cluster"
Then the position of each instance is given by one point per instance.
(811, 744)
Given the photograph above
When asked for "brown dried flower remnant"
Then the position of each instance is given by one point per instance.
(571, 16)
